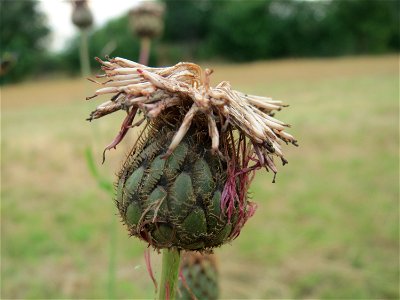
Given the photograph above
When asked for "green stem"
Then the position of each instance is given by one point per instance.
(84, 54)
(169, 274)
(112, 258)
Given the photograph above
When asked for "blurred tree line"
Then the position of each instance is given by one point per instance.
(23, 33)
(218, 30)
(260, 29)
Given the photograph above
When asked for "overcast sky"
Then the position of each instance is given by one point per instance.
(58, 14)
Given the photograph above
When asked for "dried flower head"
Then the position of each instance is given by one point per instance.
(81, 14)
(146, 19)
(229, 135)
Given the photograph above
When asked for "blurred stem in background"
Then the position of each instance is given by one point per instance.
(84, 54)
(106, 185)
(83, 19)
(145, 47)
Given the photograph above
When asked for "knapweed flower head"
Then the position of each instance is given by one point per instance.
(185, 182)
(81, 14)
(146, 19)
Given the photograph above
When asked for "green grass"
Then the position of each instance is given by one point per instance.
(329, 227)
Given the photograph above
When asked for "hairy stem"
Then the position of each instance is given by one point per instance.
(169, 274)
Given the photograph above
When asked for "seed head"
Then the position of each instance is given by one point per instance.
(146, 19)
(81, 14)
(231, 134)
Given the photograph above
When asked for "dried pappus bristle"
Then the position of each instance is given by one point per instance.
(152, 90)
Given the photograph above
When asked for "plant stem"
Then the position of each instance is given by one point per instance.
(145, 44)
(112, 258)
(169, 273)
(84, 54)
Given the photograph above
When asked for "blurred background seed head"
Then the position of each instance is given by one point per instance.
(146, 19)
(81, 14)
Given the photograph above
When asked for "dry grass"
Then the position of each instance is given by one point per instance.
(327, 229)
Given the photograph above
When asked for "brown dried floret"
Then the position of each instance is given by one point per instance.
(152, 90)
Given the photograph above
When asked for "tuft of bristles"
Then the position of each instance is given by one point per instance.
(152, 90)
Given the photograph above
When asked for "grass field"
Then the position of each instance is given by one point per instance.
(329, 227)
